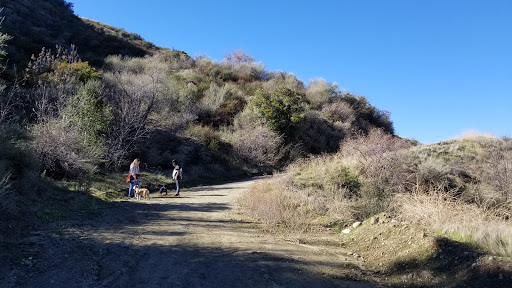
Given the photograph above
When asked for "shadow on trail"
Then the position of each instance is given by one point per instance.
(135, 213)
(70, 262)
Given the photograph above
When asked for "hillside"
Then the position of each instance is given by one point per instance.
(35, 24)
(435, 215)
(70, 130)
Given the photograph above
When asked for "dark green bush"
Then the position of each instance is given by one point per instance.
(317, 135)
(367, 116)
(282, 109)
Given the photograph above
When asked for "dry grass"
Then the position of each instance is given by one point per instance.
(271, 203)
(464, 222)
(459, 187)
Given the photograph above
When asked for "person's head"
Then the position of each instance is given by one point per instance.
(174, 163)
(136, 162)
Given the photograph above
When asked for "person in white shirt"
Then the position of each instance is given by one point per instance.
(134, 176)
(176, 175)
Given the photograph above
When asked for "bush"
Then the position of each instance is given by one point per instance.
(134, 85)
(497, 164)
(63, 151)
(339, 111)
(279, 80)
(90, 114)
(62, 67)
(220, 105)
(272, 203)
(449, 214)
(367, 116)
(319, 92)
(205, 135)
(317, 136)
(258, 146)
(243, 67)
(281, 109)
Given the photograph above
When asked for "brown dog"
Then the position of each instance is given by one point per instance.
(144, 192)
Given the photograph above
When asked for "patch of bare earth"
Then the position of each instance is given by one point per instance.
(196, 240)
(403, 255)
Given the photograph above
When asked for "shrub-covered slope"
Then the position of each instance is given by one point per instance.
(222, 120)
(459, 187)
(34, 24)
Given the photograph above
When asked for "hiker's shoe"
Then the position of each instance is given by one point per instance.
(177, 194)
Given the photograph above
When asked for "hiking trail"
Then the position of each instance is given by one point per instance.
(196, 240)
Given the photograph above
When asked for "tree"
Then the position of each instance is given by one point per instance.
(134, 84)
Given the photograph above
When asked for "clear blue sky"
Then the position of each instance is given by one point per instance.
(441, 67)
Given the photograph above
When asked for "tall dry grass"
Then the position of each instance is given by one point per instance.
(458, 187)
(271, 202)
(449, 214)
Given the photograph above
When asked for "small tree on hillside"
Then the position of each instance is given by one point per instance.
(134, 85)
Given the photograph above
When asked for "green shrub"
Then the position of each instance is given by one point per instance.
(317, 135)
(324, 176)
(281, 109)
(205, 135)
(283, 80)
(367, 116)
(89, 112)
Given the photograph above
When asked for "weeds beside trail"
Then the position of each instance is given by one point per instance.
(458, 191)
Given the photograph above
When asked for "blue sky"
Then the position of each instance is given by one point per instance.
(441, 67)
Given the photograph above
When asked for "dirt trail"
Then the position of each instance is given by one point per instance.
(196, 240)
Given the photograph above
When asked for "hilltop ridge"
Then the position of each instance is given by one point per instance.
(34, 24)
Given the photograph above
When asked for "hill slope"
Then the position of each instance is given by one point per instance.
(36, 23)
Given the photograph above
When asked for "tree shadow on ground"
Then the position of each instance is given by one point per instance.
(77, 262)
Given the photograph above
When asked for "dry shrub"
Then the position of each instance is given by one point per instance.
(134, 84)
(317, 135)
(283, 80)
(448, 213)
(379, 157)
(271, 202)
(497, 166)
(372, 146)
(243, 67)
(62, 151)
(219, 105)
(319, 91)
(327, 186)
(248, 119)
(339, 111)
(259, 146)
(215, 96)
